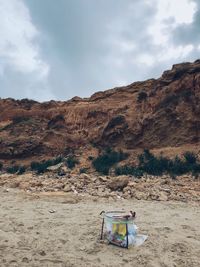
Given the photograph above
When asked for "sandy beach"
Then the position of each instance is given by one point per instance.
(61, 229)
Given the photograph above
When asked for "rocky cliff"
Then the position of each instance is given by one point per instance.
(154, 114)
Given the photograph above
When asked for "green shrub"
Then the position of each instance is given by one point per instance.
(179, 167)
(16, 169)
(196, 170)
(21, 170)
(84, 170)
(71, 162)
(41, 167)
(150, 164)
(145, 157)
(190, 157)
(12, 169)
(104, 162)
(126, 170)
(57, 160)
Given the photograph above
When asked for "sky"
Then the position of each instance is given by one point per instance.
(60, 49)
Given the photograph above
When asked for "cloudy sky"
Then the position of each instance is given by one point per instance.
(59, 49)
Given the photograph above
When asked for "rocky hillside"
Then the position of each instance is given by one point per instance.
(154, 114)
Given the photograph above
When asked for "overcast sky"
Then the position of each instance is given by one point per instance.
(57, 49)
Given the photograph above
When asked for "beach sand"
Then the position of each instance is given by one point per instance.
(63, 230)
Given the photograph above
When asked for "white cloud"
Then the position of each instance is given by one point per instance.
(170, 14)
(112, 44)
(18, 49)
(177, 52)
(181, 10)
(176, 11)
(146, 59)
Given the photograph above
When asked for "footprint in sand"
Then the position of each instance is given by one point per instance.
(179, 248)
(187, 227)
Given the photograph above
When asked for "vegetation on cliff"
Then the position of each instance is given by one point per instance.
(150, 164)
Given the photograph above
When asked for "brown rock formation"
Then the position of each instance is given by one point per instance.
(150, 114)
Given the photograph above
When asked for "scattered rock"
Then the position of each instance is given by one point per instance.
(118, 183)
(6, 190)
(162, 196)
(24, 185)
(42, 253)
(140, 195)
(55, 167)
(103, 178)
(52, 211)
(14, 184)
(61, 172)
(67, 188)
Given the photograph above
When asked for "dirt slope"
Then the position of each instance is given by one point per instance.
(153, 114)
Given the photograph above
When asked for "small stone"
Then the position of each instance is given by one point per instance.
(6, 190)
(103, 178)
(52, 211)
(42, 253)
(67, 188)
(162, 197)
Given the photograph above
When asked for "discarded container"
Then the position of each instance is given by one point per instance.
(120, 229)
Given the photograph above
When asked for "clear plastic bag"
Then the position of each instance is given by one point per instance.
(121, 230)
(138, 240)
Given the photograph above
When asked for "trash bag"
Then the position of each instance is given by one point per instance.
(121, 230)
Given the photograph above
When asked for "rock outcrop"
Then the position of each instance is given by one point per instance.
(156, 113)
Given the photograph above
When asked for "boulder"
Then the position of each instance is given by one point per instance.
(118, 183)
(140, 195)
(67, 188)
(85, 176)
(163, 196)
(103, 178)
(55, 167)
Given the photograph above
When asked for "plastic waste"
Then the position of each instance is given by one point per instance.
(140, 239)
(119, 227)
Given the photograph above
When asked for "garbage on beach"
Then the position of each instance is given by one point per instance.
(119, 229)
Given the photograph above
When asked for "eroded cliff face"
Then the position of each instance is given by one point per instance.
(150, 114)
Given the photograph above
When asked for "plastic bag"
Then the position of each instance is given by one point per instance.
(121, 230)
(138, 240)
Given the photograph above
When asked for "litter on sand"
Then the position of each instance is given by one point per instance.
(119, 229)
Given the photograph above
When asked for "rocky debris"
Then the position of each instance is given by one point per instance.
(55, 167)
(163, 196)
(184, 188)
(67, 188)
(118, 183)
(103, 179)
